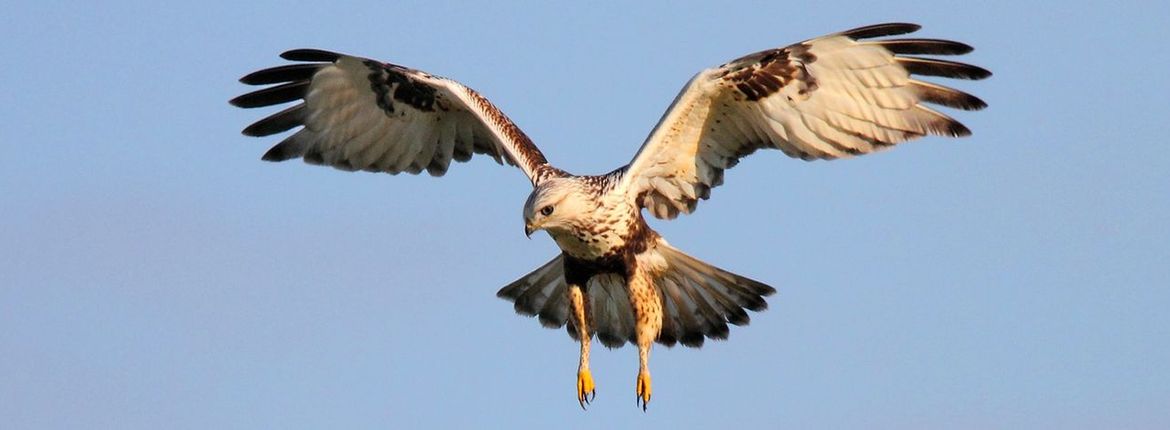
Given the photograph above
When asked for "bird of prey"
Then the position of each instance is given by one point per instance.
(840, 95)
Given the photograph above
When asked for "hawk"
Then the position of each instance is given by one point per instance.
(616, 279)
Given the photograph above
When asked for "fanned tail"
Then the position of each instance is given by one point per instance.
(544, 294)
(541, 293)
(699, 300)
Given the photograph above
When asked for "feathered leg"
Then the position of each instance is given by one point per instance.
(581, 321)
(648, 316)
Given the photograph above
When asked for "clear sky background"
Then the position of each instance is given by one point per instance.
(154, 273)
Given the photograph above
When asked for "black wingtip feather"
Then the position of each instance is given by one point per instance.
(738, 317)
(947, 69)
(291, 147)
(278, 153)
(949, 97)
(926, 46)
(286, 73)
(279, 122)
(879, 30)
(756, 304)
(947, 126)
(272, 95)
(757, 286)
(957, 129)
(310, 55)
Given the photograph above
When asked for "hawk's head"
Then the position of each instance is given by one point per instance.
(558, 205)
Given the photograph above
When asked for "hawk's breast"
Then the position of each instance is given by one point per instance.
(603, 233)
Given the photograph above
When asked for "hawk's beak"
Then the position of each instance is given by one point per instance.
(528, 229)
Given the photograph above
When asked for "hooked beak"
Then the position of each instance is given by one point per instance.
(528, 229)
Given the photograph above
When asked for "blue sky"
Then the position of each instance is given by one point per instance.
(156, 274)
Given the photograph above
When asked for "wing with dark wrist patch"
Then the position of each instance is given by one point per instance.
(834, 96)
(361, 114)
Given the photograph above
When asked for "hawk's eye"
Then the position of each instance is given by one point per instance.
(547, 210)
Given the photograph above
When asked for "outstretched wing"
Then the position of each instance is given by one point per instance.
(830, 97)
(361, 114)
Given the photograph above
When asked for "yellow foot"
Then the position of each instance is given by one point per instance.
(643, 389)
(585, 388)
